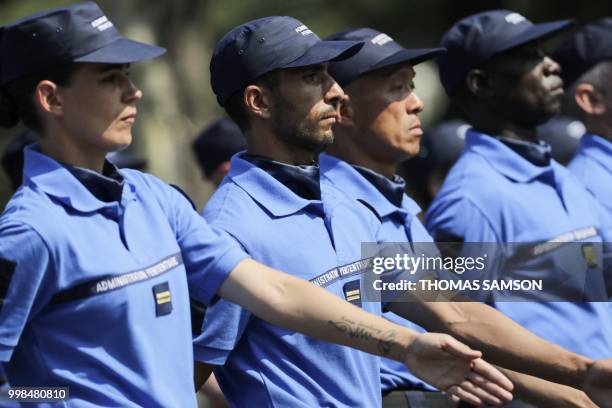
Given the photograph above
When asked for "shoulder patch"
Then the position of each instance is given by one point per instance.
(6, 274)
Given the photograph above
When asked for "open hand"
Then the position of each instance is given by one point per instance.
(456, 369)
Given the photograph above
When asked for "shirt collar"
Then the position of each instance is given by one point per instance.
(303, 180)
(599, 148)
(58, 182)
(393, 190)
(506, 160)
(107, 187)
(538, 154)
(277, 198)
(354, 182)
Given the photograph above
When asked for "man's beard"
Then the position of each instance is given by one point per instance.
(300, 133)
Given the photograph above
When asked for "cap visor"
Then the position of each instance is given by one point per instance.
(122, 51)
(539, 32)
(412, 55)
(325, 51)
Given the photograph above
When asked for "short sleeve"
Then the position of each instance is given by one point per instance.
(209, 254)
(27, 282)
(223, 326)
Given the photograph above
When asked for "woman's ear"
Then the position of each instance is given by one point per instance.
(258, 101)
(48, 98)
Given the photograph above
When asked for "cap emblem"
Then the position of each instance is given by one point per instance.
(381, 39)
(514, 18)
(303, 30)
(101, 23)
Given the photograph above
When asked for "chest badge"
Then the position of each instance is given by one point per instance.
(352, 292)
(163, 299)
(590, 256)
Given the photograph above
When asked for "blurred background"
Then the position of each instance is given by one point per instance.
(178, 101)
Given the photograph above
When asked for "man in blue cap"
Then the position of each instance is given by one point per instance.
(271, 76)
(586, 62)
(379, 126)
(505, 188)
(214, 147)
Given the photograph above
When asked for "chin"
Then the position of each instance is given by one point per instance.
(119, 141)
(411, 149)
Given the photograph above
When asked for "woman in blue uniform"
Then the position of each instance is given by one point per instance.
(95, 262)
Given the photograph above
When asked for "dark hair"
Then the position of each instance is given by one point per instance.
(17, 97)
(234, 106)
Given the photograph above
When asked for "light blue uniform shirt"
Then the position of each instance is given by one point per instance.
(493, 194)
(98, 298)
(592, 165)
(399, 223)
(262, 365)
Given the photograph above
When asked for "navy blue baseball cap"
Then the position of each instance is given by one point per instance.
(477, 38)
(76, 33)
(217, 144)
(379, 51)
(260, 46)
(584, 49)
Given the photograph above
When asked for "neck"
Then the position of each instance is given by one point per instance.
(345, 148)
(598, 127)
(487, 120)
(62, 150)
(267, 145)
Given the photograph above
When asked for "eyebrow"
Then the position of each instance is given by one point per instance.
(318, 67)
(110, 67)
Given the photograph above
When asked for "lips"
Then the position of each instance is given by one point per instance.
(131, 118)
(557, 90)
(416, 128)
(333, 116)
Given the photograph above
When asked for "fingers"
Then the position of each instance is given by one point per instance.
(491, 388)
(457, 392)
(455, 347)
(496, 398)
(491, 374)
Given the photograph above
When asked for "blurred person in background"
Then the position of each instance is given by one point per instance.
(562, 133)
(214, 147)
(440, 148)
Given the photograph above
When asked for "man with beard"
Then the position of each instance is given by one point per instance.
(271, 76)
(379, 126)
(506, 189)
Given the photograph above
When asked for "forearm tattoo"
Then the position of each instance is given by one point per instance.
(386, 339)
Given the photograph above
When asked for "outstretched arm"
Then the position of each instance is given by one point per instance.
(300, 306)
(542, 393)
(503, 341)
